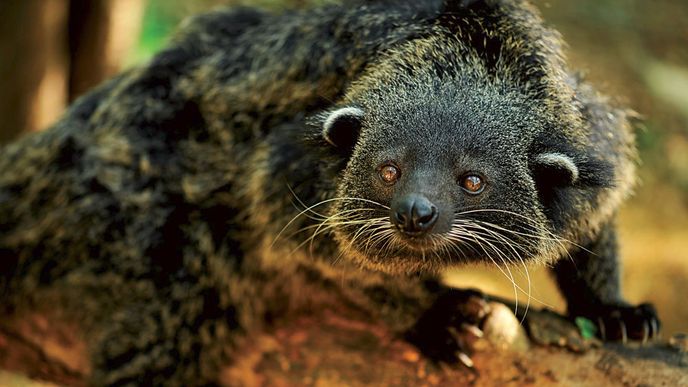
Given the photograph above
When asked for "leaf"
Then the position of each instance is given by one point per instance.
(587, 328)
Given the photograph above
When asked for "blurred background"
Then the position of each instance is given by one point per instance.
(52, 51)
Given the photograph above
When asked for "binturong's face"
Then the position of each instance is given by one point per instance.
(441, 174)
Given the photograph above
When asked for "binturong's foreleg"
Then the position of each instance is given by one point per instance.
(590, 283)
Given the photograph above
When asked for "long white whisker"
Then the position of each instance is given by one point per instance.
(533, 223)
(513, 245)
(510, 243)
(310, 209)
(478, 239)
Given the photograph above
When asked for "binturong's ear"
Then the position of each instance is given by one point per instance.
(561, 169)
(342, 127)
(557, 164)
(561, 175)
(556, 169)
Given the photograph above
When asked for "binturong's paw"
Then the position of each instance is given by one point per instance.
(624, 322)
(447, 330)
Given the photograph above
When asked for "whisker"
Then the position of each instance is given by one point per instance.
(329, 223)
(538, 225)
(478, 238)
(300, 202)
(311, 226)
(374, 234)
(513, 246)
(311, 209)
(510, 243)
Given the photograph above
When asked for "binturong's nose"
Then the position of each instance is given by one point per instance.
(414, 214)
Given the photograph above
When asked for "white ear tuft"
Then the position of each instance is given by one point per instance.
(560, 161)
(342, 126)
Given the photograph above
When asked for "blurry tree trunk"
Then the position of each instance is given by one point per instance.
(33, 64)
(52, 51)
(101, 32)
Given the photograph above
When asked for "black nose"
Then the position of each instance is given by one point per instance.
(414, 214)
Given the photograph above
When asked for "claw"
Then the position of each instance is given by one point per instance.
(646, 331)
(624, 334)
(603, 332)
(465, 359)
(476, 308)
(472, 329)
(655, 328)
(628, 323)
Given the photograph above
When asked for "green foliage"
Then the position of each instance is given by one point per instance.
(161, 17)
(587, 328)
(158, 23)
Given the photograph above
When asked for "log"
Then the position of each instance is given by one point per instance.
(328, 349)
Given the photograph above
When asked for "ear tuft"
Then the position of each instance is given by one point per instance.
(342, 127)
(558, 167)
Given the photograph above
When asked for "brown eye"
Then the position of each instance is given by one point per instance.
(472, 184)
(390, 174)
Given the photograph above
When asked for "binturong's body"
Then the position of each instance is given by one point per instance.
(264, 164)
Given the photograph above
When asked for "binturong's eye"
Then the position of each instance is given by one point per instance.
(389, 174)
(472, 184)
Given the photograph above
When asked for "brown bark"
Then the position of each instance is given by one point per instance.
(329, 349)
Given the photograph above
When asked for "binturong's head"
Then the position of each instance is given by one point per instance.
(446, 162)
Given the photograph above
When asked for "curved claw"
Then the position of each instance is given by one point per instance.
(655, 328)
(465, 359)
(603, 332)
(624, 333)
(447, 330)
(472, 329)
(646, 332)
(627, 323)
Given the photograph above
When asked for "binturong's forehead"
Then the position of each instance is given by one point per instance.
(434, 118)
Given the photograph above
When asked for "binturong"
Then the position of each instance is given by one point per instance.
(467, 163)
(338, 158)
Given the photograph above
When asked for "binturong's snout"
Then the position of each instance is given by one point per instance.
(414, 215)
